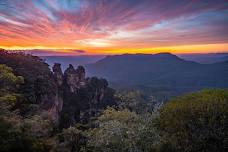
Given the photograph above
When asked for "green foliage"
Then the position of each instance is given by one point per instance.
(122, 131)
(9, 84)
(11, 99)
(196, 122)
(7, 78)
(136, 101)
(191, 123)
(19, 135)
(12, 139)
(35, 72)
(70, 140)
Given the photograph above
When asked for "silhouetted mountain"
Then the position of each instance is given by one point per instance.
(208, 58)
(160, 70)
(74, 60)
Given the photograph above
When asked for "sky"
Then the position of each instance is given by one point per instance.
(69, 27)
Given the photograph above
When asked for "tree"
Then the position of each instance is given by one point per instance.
(71, 139)
(34, 70)
(122, 131)
(196, 122)
(9, 84)
(30, 135)
(7, 78)
(17, 133)
(136, 101)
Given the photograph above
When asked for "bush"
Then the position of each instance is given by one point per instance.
(196, 122)
(122, 131)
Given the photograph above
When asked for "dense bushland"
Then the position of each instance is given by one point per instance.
(190, 123)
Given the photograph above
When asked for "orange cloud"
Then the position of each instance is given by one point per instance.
(114, 27)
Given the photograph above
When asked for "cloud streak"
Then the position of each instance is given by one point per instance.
(106, 25)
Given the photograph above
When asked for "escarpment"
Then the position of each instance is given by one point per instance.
(78, 98)
(66, 97)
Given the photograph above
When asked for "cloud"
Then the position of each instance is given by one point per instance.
(51, 52)
(119, 23)
(79, 51)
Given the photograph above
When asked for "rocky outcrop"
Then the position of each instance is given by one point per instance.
(78, 98)
(51, 103)
(66, 98)
(74, 78)
(57, 104)
(58, 74)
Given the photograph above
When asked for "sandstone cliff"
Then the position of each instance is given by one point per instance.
(78, 98)
(65, 97)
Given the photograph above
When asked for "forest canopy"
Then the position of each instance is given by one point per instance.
(126, 121)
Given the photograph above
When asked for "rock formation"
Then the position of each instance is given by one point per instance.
(66, 98)
(74, 78)
(58, 74)
(78, 98)
(58, 99)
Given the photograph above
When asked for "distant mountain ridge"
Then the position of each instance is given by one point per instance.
(160, 70)
(208, 58)
(74, 60)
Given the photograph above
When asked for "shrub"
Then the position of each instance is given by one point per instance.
(196, 122)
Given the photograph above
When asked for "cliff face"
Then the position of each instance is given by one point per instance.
(65, 97)
(57, 103)
(78, 98)
(58, 74)
(74, 79)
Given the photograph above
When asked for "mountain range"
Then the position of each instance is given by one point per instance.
(160, 70)
(74, 60)
(207, 58)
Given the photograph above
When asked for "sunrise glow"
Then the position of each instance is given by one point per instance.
(114, 27)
